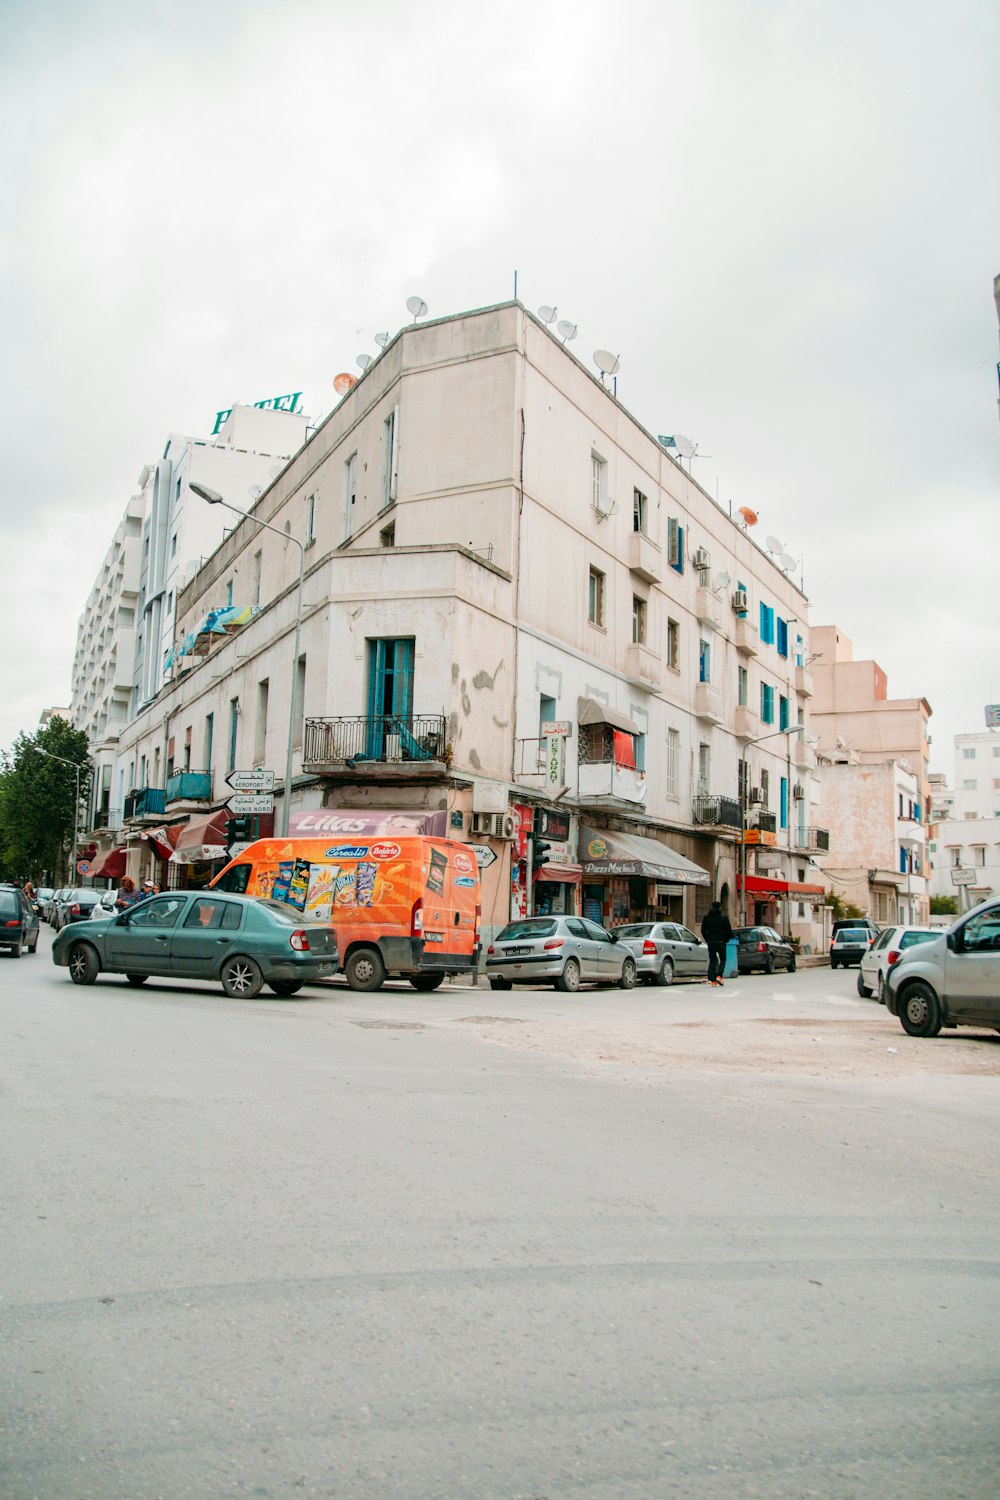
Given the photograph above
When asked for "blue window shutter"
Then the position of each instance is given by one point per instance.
(782, 637)
(784, 801)
(782, 713)
(902, 860)
(763, 621)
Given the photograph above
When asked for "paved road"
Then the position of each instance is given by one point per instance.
(380, 1247)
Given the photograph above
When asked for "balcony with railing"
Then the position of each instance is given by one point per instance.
(108, 818)
(189, 786)
(811, 840)
(530, 759)
(146, 802)
(381, 745)
(716, 812)
(607, 772)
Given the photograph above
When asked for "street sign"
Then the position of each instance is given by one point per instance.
(963, 877)
(484, 855)
(83, 866)
(251, 781)
(237, 848)
(562, 727)
(251, 802)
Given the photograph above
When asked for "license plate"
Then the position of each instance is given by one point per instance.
(516, 952)
(433, 937)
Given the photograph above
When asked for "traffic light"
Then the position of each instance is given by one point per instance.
(539, 851)
(238, 831)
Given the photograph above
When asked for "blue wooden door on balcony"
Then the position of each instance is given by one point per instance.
(390, 691)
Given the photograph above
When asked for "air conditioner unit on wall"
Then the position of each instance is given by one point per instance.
(495, 825)
(740, 601)
(755, 796)
(701, 559)
(483, 822)
(799, 792)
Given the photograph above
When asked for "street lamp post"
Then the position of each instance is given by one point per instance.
(76, 805)
(792, 729)
(214, 498)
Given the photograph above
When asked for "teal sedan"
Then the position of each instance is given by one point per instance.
(240, 942)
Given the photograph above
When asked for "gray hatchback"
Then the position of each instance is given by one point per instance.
(564, 951)
(665, 951)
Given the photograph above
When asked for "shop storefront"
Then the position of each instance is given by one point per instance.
(776, 903)
(555, 885)
(630, 878)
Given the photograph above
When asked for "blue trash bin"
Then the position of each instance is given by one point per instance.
(732, 963)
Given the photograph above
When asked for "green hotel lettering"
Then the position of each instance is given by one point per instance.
(274, 403)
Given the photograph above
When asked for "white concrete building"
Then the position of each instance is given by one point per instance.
(877, 858)
(180, 530)
(965, 834)
(976, 776)
(492, 545)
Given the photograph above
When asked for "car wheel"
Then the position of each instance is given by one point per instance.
(33, 947)
(83, 964)
(863, 989)
(569, 979)
(881, 989)
(769, 964)
(499, 983)
(137, 979)
(426, 981)
(15, 951)
(285, 988)
(833, 963)
(365, 970)
(665, 974)
(792, 964)
(241, 978)
(627, 980)
(919, 1010)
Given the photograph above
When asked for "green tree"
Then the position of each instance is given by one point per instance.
(944, 906)
(842, 908)
(37, 797)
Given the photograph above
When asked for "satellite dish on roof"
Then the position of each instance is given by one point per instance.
(255, 492)
(685, 447)
(722, 580)
(382, 339)
(416, 306)
(342, 383)
(747, 516)
(363, 361)
(788, 562)
(773, 544)
(566, 330)
(547, 314)
(192, 567)
(606, 362)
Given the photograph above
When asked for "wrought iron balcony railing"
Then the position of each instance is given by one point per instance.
(718, 812)
(382, 738)
(812, 840)
(147, 801)
(189, 786)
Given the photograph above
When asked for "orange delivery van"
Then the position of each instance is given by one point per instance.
(405, 906)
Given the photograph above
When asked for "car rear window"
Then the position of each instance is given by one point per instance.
(636, 930)
(852, 935)
(527, 929)
(8, 904)
(909, 938)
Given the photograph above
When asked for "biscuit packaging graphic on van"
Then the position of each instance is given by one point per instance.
(319, 899)
(283, 879)
(367, 871)
(436, 873)
(298, 886)
(345, 890)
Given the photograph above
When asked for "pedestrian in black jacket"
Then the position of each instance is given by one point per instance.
(716, 929)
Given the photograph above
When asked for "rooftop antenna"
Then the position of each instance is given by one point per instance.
(566, 330)
(363, 361)
(416, 307)
(548, 314)
(382, 339)
(607, 363)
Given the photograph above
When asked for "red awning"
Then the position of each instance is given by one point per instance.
(162, 840)
(760, 885)
(110, 865)
(561, 874)
(201, 838)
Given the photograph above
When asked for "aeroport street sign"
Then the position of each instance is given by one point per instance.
(251, 781)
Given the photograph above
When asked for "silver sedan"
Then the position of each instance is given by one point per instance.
(564, 951)
(665, 951)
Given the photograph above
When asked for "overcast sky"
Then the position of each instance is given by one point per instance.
(783, 214)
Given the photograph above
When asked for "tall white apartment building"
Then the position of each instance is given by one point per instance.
(517, 610)
(976, 783)
(965, 834)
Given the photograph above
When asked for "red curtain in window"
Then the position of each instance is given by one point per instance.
(624, 750)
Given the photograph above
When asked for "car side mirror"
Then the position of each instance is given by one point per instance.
(614, 937)
(953, 941)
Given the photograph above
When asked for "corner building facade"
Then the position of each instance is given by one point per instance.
(518, 613)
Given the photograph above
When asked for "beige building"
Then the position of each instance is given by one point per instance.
(857, 724)
(516, 610)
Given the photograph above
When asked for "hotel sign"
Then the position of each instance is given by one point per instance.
(273, 403)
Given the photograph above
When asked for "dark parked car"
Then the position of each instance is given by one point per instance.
(51, 904)
(564, 951)
(240, 942)
(664, 951)
(18, 921)
(763, 948)
(75, 905)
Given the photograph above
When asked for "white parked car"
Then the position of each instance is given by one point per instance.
(887, 949)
